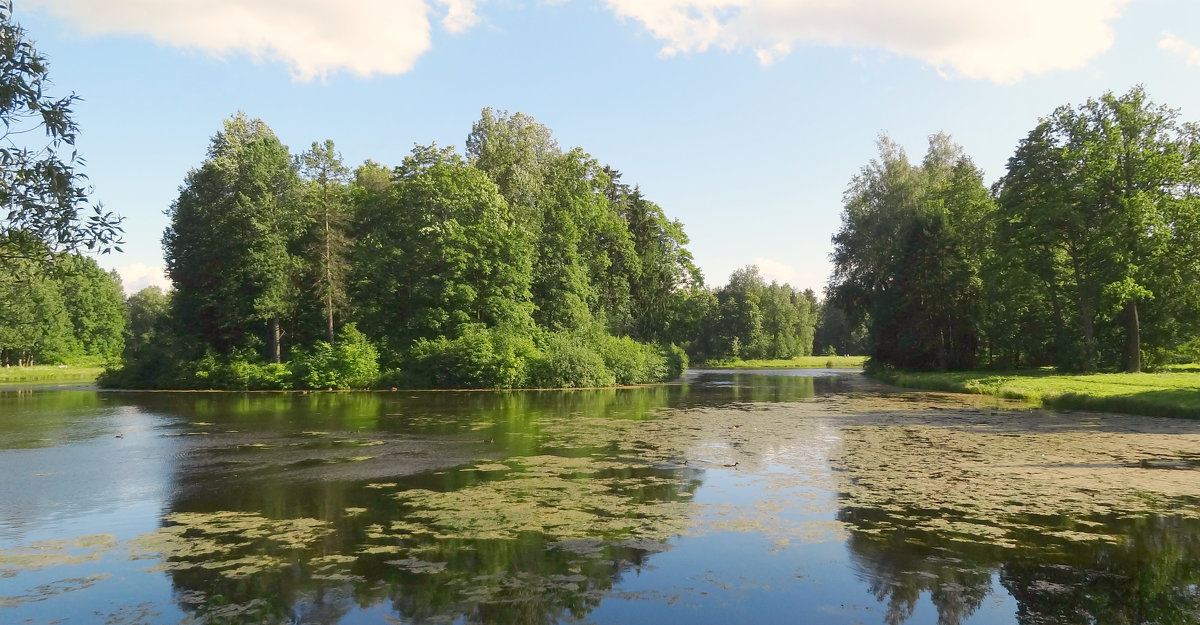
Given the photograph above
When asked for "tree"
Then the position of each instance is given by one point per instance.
(908, 256)
(664, 271)
(35, 327)
(437, 250)
(515, 152)
(1104, 196)
(43, 198)
(326, 245)
(95, 304)
(228, 245)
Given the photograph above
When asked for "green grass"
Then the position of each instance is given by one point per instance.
(83, 374)
(1173, 393)
(802, 362)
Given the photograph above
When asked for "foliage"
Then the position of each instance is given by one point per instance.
(35, 326)
(351, 362)
(228, 245)
(437, 250)
(45, 198)
(1102, 203)
(568, 361)
(478, 358)
(907, 257)
(676, 361)
(748, 318)
(802, 362)
(59, 312)
(518, 265)
(631, 362)
(324, 244)
(241, 371)
(95, 304)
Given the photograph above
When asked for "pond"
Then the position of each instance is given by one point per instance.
(732, 497)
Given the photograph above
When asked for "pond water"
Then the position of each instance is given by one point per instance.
(732, 497)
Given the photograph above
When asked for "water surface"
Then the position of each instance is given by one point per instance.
(732, 497)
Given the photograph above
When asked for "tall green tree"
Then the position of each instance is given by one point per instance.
(228, 248)
(436, 251)
(516, 153)
(908, 256)
(1105, 195)
(664, 273)
(326, 204)
(95, 304)
(35, 327)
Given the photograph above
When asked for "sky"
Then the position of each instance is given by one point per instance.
(744, 119)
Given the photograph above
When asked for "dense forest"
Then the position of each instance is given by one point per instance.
(63, 309)
(1085, 255)
(516, 264)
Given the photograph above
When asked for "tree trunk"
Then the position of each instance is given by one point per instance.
(1133, 338)
(328, 274)
(275, 335)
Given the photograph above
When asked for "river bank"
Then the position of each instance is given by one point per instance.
(1166, 394)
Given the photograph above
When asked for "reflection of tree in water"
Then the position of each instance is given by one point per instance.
(1139, 570)
(1151, 576)
(900, 563)
(368, 543)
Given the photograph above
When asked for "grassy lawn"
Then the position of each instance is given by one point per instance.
(82, 374)
(1173, 393)
(803, 362)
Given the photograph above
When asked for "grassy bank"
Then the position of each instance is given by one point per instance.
(803, 362)
(1174, 393)
(74, 374)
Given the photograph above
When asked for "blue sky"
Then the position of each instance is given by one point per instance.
(745, 119)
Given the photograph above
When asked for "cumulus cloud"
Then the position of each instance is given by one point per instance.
(314, 38)
(775, 270)
(998, 40)
(1190, 52)
(137, 276)
(460, 15)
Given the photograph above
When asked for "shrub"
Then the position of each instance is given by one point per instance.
(568, 361)
(352, 363)
(632, 362)
(241, 371)
(478, 358)
(676, 361)
(355, 359)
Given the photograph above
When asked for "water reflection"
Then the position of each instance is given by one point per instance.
(828, 499)
(1150, 574)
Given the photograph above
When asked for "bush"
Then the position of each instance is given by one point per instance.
(351, 363)
(478, 358)
(676, 361)
(242, 371)
(568, 361)
(631, 362)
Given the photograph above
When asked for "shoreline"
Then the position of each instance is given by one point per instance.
(1171, 394)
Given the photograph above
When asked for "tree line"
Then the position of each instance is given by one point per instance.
(516, 264)
(1085, 255)
(63, 309)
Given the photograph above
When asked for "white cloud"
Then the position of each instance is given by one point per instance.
(137, 276)
(1190, 52)
(314, 38)
(775, 270)
(998, 40)
(460, 15)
